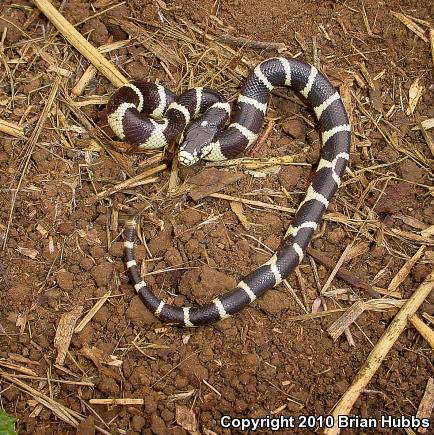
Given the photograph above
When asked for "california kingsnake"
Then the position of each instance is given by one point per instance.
(127, 117)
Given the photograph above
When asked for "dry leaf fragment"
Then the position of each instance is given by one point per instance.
(238, 209)
(414, 94)
(28, 252)
(98, 357)
(186, 418)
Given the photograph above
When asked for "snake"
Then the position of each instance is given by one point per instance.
(147, 115)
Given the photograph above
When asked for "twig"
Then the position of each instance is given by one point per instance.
(380, 350)
(259, 144)
(426, 405)
(87, 318)
(343, 273)
(239, 41)
(405, 270)
(127, 183)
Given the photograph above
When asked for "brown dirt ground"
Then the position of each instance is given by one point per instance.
(60, 252)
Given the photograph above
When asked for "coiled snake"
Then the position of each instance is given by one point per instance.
(149, 116)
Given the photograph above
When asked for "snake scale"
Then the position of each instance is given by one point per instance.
(148, 115)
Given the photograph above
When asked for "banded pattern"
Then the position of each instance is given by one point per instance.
(241, 133)
(149, 116)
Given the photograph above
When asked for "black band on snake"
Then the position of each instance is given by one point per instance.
(129, 109)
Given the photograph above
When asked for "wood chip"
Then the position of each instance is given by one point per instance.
(427, 124)
(98, 357)
(428, 232)
(64, 333)
(186, 418)
(28, 252)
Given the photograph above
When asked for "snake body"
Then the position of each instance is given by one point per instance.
(128, 110)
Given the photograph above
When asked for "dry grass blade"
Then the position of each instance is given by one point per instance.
(336, 268)
(80, 43)
(125, 184)
(22, 170)
(88, 317)
(411, 25)
(257, 163)
(423, 126)
(431, 39)
(405, 270)
(17, 368)
(65, 414)
(121, 401)
(380, 351)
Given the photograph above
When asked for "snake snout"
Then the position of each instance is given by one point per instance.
(186, 158)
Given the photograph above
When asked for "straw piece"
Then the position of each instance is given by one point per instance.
(405, 270)
(104, 66)
(426, 405)
(88, 317)
(380, 351)
(424, 330)
(11, 128)
(124, 184)
(431, 39)
(120, 401)
(411, 25)
(91, 71)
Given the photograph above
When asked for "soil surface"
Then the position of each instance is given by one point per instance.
(62, 249)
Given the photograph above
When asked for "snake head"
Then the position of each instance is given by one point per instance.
(195, 144)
